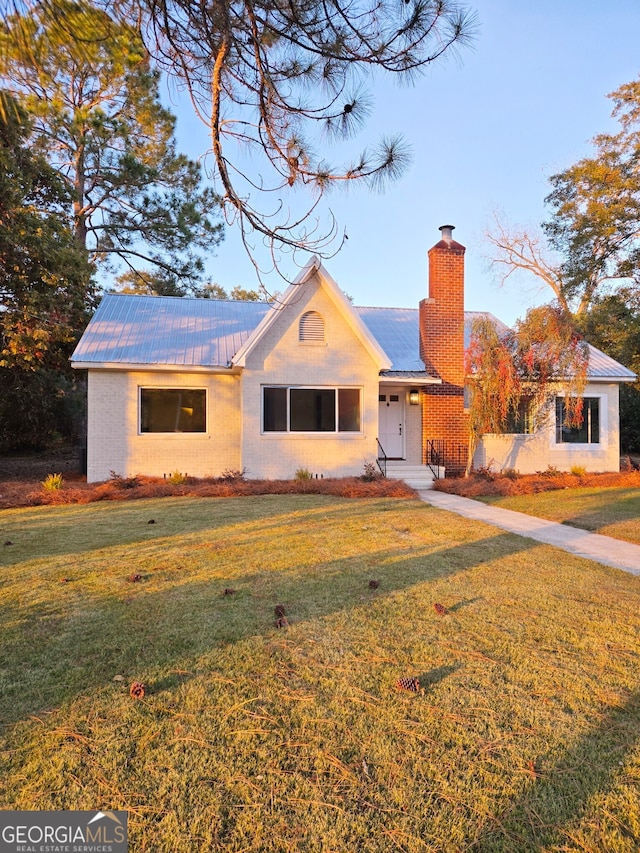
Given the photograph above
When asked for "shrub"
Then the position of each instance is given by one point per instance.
(485, 472)
(510, 473)
(551, 472)
(578, 470)
(303, 474)
(232, 475)
(121, 482)
(53, 483)
(371, 472)
(176, 478)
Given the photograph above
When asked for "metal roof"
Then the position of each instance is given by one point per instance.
(175, 331)
(396, 330)
(167, 330)
(602, 366)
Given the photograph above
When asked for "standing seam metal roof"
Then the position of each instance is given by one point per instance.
(168, 330)
(176, 331)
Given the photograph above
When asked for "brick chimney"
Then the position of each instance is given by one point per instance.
(442, 350)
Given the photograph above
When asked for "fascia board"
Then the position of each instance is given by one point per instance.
(357, 325)
(407, 380)
(152, 368)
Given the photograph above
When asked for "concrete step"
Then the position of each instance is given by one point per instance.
(416, 476)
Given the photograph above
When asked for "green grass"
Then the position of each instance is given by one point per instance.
(526, 736)
(612, 511)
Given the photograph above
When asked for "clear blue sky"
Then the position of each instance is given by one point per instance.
(487, 130)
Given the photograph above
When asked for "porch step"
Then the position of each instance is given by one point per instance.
(416, 476)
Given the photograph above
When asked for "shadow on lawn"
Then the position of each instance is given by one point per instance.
(604, 511)
(51, 654)
(547, 814)
(71, 530)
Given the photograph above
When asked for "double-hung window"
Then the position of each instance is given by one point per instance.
(287, 409)
(589, 430)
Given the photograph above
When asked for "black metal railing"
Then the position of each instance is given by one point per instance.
(382, 459)
(441, 453)
(434, 455)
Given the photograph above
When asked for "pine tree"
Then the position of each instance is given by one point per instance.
(88, 84)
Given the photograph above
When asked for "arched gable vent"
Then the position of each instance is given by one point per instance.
(311, 327)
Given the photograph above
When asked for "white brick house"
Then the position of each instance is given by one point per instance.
(202, 386)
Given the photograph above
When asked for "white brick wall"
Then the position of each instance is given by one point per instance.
(530, 453)
(281, 359)
(115, 442)
(234, 439)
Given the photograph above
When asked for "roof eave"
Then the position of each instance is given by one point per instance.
(409, 380)
(159, 368)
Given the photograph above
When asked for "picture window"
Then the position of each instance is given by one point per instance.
(173, 410)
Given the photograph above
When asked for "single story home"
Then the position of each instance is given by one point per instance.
(203, 386)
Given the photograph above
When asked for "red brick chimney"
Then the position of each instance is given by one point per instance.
(442, 350)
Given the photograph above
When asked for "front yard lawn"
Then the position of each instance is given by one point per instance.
(525, 735)
(613, 511)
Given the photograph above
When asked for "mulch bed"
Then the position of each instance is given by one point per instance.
(528, 484)
(21, 481)
(21, 484)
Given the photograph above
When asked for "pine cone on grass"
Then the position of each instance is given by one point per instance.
(137, 690)
(440, 609)
(412, 685)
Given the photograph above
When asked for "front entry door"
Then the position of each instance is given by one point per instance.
(391, 422)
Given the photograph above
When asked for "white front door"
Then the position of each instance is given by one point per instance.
(391, 421)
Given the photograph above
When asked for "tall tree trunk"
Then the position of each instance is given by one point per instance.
(79, 212)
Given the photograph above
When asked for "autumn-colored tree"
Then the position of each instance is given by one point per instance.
(541, 356)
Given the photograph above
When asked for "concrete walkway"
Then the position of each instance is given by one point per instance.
(592, 546)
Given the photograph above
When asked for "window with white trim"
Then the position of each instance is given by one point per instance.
(311, 328)
(173, 410)
(588, 432)
(294, 409)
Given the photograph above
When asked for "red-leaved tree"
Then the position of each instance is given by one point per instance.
(541, 356)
